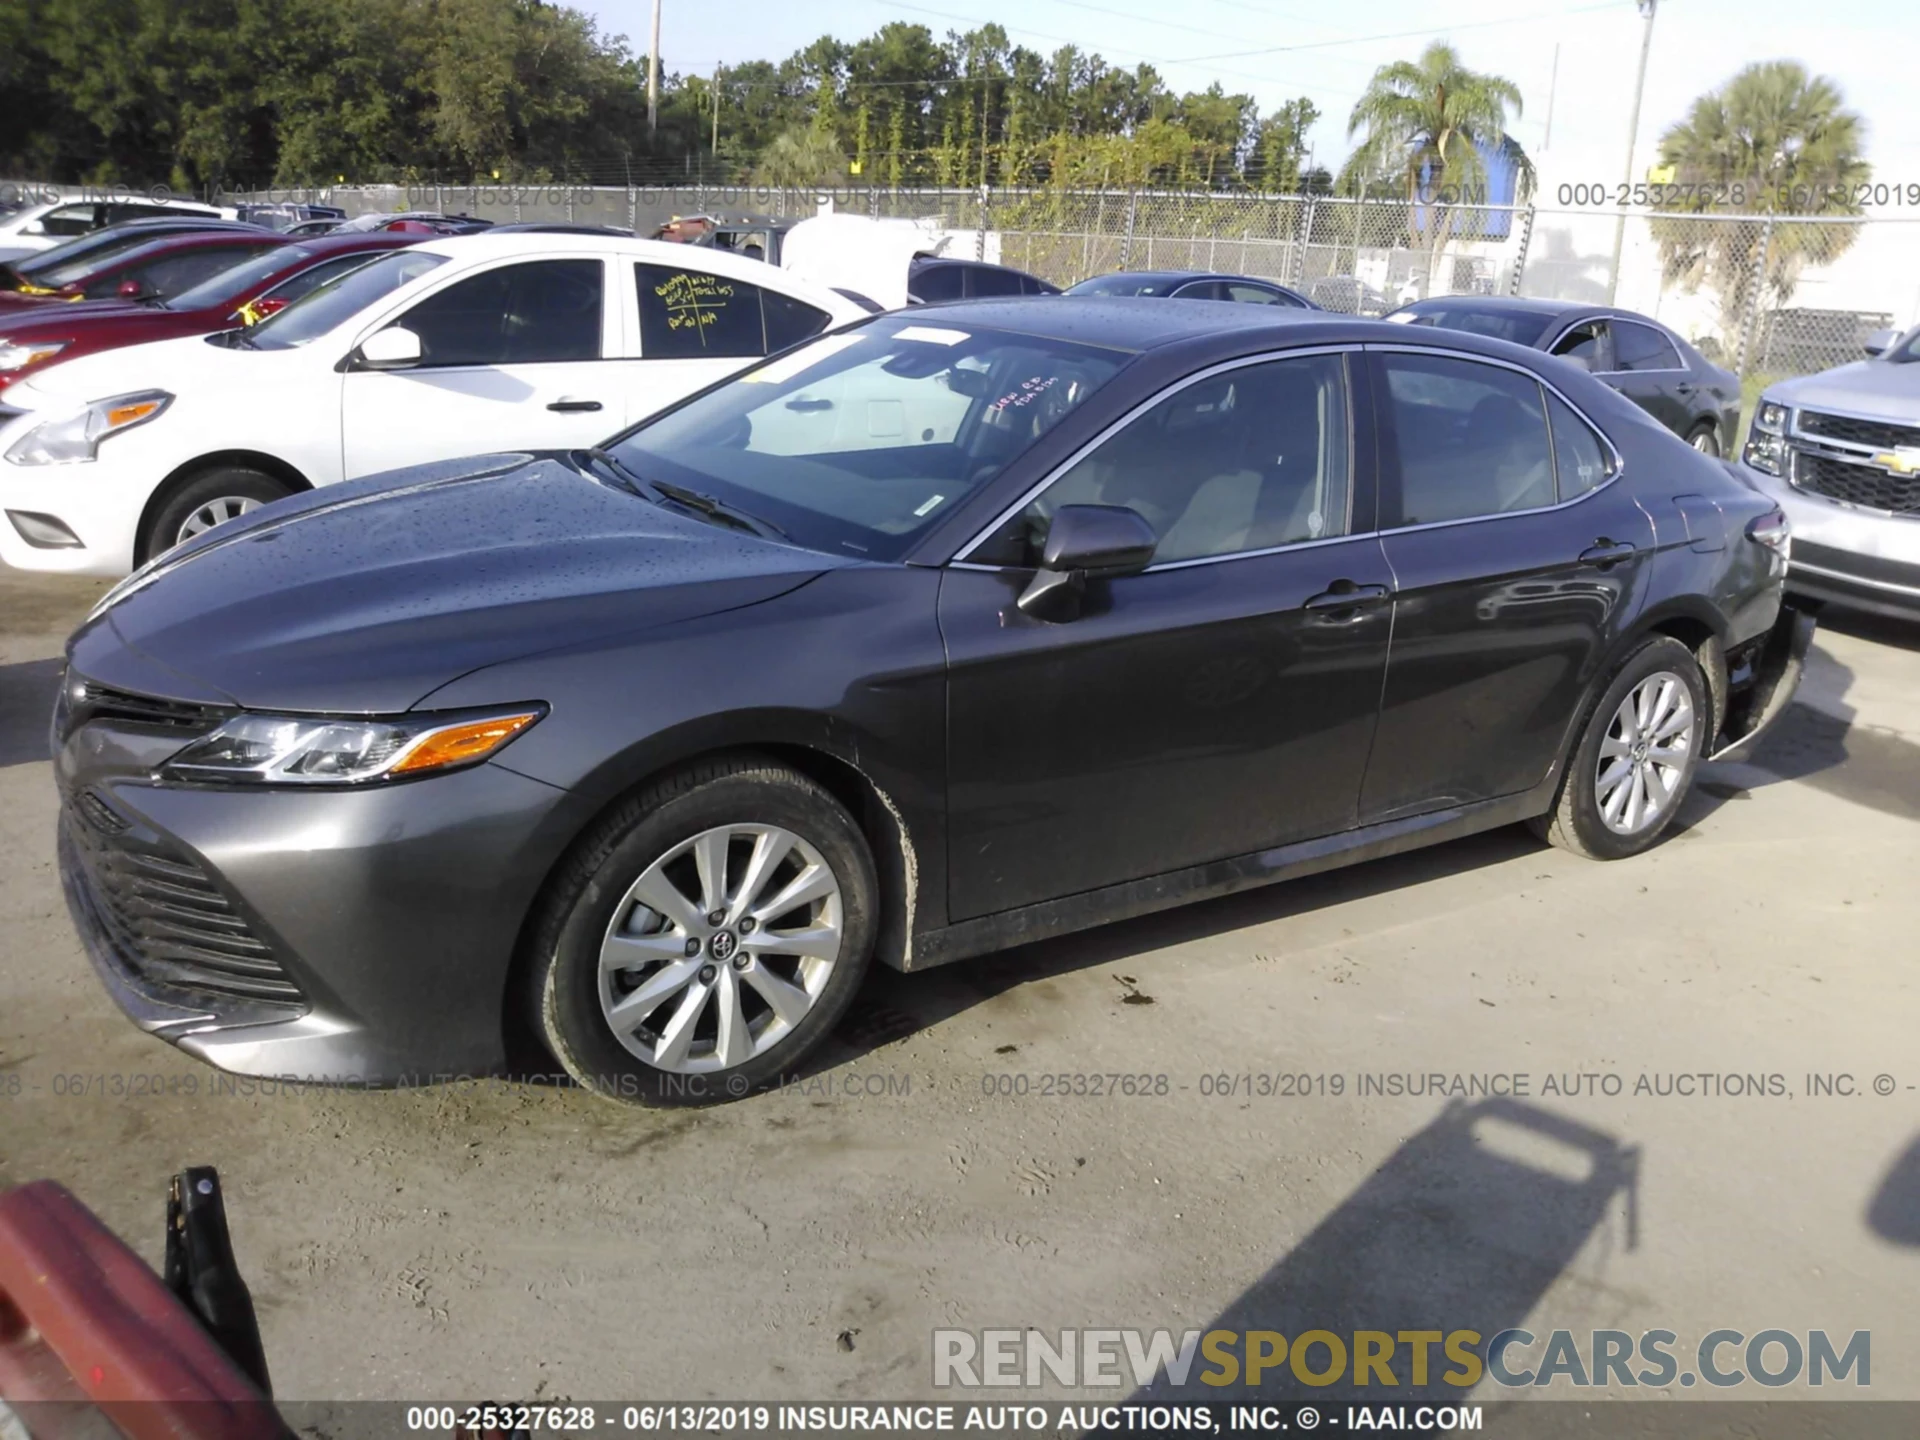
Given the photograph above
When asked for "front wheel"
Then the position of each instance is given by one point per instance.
(1706, 439)
(208, 499)
(707, 936)
(1634, 762)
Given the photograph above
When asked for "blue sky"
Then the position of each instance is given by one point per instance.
(1325, 51)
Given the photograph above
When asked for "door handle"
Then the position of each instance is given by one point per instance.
(1345, 595)
(568, 406)
(806, 406)
(1683, 388)
(1605, 553)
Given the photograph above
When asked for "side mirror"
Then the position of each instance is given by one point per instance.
(394, 348)
(133, 290)
(1098, 542)
(255, 311)
(1880, 341)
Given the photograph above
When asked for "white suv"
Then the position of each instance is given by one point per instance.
(54, 222)
(458, 346)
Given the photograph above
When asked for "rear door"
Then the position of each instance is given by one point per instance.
(511, 359)
(691, 327)
(1648, 370)
(1219, 703)
(1517, 564)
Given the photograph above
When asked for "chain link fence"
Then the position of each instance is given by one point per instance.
(1764, 296)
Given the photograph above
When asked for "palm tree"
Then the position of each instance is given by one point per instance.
(1431, 122)
(799, 159)
(1773, 141)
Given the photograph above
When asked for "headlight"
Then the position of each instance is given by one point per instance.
(77, 437)
(18, 355)
(310, 750)
(1767, 441)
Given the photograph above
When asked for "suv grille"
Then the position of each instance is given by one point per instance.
(163, 917)
(1880, 434)
(1857, 484)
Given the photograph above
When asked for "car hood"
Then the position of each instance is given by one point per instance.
(1878, 389)
(363, 598)
(175, 364)
(81, 315)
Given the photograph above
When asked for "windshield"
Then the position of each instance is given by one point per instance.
(95, 247)
(1520, 326)
(339, 300)
(1905, 350)
(229, 285)
(860, 441)
(1123, 285)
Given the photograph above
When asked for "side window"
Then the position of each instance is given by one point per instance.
(1471, 438)
(985, 281)
(170, 275)
(932, 283)
(1578, 457)
(544, 310)
(789, 321)
(696, 315)
(70, 220)
(1582, 342)
(1199, 290)
(1253, 294)
(1641, 347)
(1253, 459)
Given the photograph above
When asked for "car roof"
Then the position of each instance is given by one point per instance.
(1172, 275)
(194, 240)
(1528, 305)
(331, 243)
(1211, 331)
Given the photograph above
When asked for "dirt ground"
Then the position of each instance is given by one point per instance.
(518, 1241)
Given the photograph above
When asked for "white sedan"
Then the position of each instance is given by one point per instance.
(457, 346)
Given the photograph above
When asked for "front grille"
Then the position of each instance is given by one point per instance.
(165, 920)
(1850, 430)
(1856, 484)
(82, 700)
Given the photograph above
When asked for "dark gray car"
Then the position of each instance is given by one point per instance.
(1641, 358)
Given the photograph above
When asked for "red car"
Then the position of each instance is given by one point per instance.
(157, 270)
(32, 337)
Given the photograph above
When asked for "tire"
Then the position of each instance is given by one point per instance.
(1705, 437)
(205, 500)
(1597, 819)
(726, 1009)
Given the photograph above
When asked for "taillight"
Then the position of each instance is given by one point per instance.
(1772, 530)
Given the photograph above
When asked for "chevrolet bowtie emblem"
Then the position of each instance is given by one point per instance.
(1903, 461)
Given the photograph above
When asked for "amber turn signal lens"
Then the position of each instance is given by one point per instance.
(458, 744)
(126, 414)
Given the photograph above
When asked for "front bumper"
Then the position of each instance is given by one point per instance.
(337, 936)
(1845, 553)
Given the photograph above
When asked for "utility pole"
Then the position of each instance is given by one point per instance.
(1552, 86)
(1647, 7)
(716, 112)
(653, 77)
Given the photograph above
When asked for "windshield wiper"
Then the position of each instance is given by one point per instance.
(720, 510)
(708, 506)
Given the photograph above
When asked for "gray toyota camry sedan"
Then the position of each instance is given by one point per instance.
(931, 636)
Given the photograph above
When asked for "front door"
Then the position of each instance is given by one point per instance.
(1217, 704)
(1648, 370)
(1516, 566)
(511, 359)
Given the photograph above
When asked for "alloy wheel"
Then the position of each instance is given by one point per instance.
(720, 948)
(1705, 442)
(215, 512)
(1645, 754)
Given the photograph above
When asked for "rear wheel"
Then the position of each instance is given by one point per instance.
(707, 936)
(1706, 438)
(206, 500)
(1634, 762)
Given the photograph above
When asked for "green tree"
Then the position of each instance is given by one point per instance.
(1431, 123)
(800, 158)
(1773, 140)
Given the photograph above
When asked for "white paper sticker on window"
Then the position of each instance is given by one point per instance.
(931, 334)
(930, 506)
